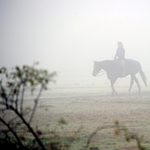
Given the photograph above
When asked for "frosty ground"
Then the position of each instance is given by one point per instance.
(92, 106)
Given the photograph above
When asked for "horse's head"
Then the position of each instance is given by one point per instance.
(97, 68)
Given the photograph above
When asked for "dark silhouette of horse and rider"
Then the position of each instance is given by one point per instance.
(120, 67)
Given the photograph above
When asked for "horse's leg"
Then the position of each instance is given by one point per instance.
(131, 83)
(112, 81)
(137, 82)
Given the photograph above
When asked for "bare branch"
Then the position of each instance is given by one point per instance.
(29, 127)
(22, 97)
(35, 105)
(17, 95)
(14, 133)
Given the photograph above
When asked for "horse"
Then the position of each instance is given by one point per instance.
(114, 71)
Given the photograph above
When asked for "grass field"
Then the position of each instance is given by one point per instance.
(89, 105)
(92, 106)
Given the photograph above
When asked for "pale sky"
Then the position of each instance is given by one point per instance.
(70, 34)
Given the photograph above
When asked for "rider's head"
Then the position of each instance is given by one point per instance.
(119, 44)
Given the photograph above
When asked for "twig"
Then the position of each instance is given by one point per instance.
(29, 127)
(22, 96)
(14, 133)
(16, 101)
(27, 124)
(35, 105)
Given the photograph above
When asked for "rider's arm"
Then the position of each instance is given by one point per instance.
(116, 54)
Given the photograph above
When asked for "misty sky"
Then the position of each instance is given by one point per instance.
(70, 34)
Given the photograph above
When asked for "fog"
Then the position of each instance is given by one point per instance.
(66, 36)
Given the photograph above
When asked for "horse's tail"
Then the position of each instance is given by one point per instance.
(143, 75)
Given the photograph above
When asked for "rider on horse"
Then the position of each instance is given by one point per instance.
(120, 53)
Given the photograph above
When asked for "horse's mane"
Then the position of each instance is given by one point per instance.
(108, 64)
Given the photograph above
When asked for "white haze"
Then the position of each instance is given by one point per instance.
(67, 35)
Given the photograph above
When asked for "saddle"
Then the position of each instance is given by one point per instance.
(117, 69)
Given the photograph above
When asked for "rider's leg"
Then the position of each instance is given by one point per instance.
(122, 63)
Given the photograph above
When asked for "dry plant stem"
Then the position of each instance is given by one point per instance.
(138, 143)
(22, 96)
(13, 99)
(17, 95)
(130, 136)
(29, 127)
(94, 133)
(35, 105)
(10, 91)
(14, 133)
(25, 122)
(16, 101)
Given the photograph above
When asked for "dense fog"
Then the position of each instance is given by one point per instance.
(66, 36)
